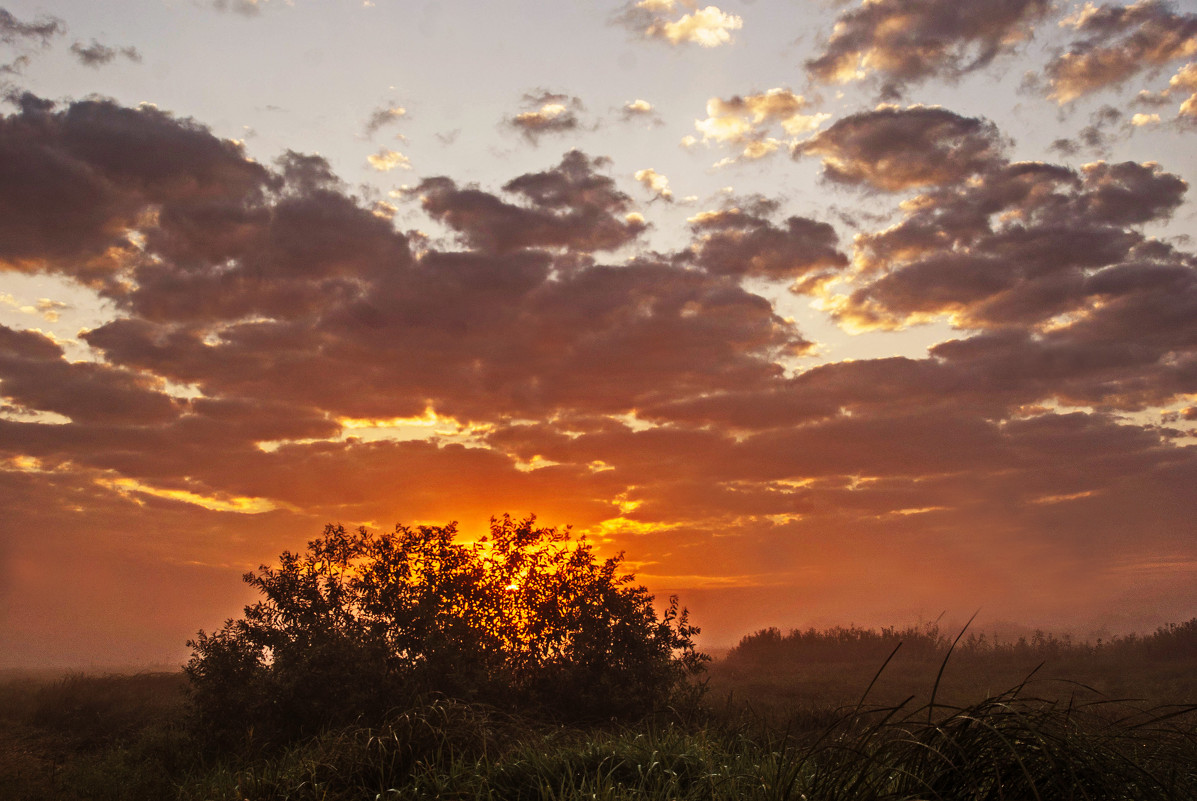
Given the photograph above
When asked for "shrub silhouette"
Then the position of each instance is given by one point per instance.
(362, 623)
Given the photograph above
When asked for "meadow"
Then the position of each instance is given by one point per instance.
(833, 714)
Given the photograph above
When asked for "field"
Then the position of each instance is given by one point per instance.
(783, 716)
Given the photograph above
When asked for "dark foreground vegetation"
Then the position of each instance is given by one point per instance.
(127, 737)
(358, 677)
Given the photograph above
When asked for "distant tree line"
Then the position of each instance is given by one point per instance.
(772, 646)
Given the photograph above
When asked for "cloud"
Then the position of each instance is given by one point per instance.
(1186, 81)
(745, 243)
(34, 375)
(97, 55)
(76, 181)
(655, 182)
(248, 8)
(893, 149)
(382, 117)
(1078, 306)
(904, 42)
(21, 35)
(706, 27)
(275, 355)
(1116, 44)
(386, 160)
(548, 113)
(1095, 136)
(14, 31)
(225, 271)
(640, 110)
(637, 107)
(746, 121)
(570, 206)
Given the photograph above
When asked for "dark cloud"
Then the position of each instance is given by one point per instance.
(97, 55)
(34, 375)
(546, 113)
(894, 149)
(1117, 43)
(903, 42)
(949, 257)
(74, 182)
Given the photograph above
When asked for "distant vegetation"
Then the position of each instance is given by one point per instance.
(777, 673)
(771, 646)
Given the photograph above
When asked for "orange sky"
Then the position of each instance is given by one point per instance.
(907, 330)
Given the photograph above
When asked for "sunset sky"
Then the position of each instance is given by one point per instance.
(824, 312)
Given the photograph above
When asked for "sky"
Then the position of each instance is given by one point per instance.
(822, 312)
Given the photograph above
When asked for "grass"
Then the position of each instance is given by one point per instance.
(928, 727)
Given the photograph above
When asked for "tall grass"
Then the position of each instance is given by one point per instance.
(1006, 747)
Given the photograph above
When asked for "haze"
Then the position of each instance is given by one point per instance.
(823, 312)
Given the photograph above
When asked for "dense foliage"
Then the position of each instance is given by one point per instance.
(362, 623)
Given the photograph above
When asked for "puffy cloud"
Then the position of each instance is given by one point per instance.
(905, 42)
(706, 27)
(548, 113)
(1117, 43)
(97, 55)
(386, 160)
(894, 149)
(655, 182)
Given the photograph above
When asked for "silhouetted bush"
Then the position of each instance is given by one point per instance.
(362, 624)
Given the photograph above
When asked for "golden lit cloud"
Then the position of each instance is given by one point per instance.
(387, 160)
(241, 505)
(1117, 43)
(746, 121)
(705, 27)
(655, 182)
